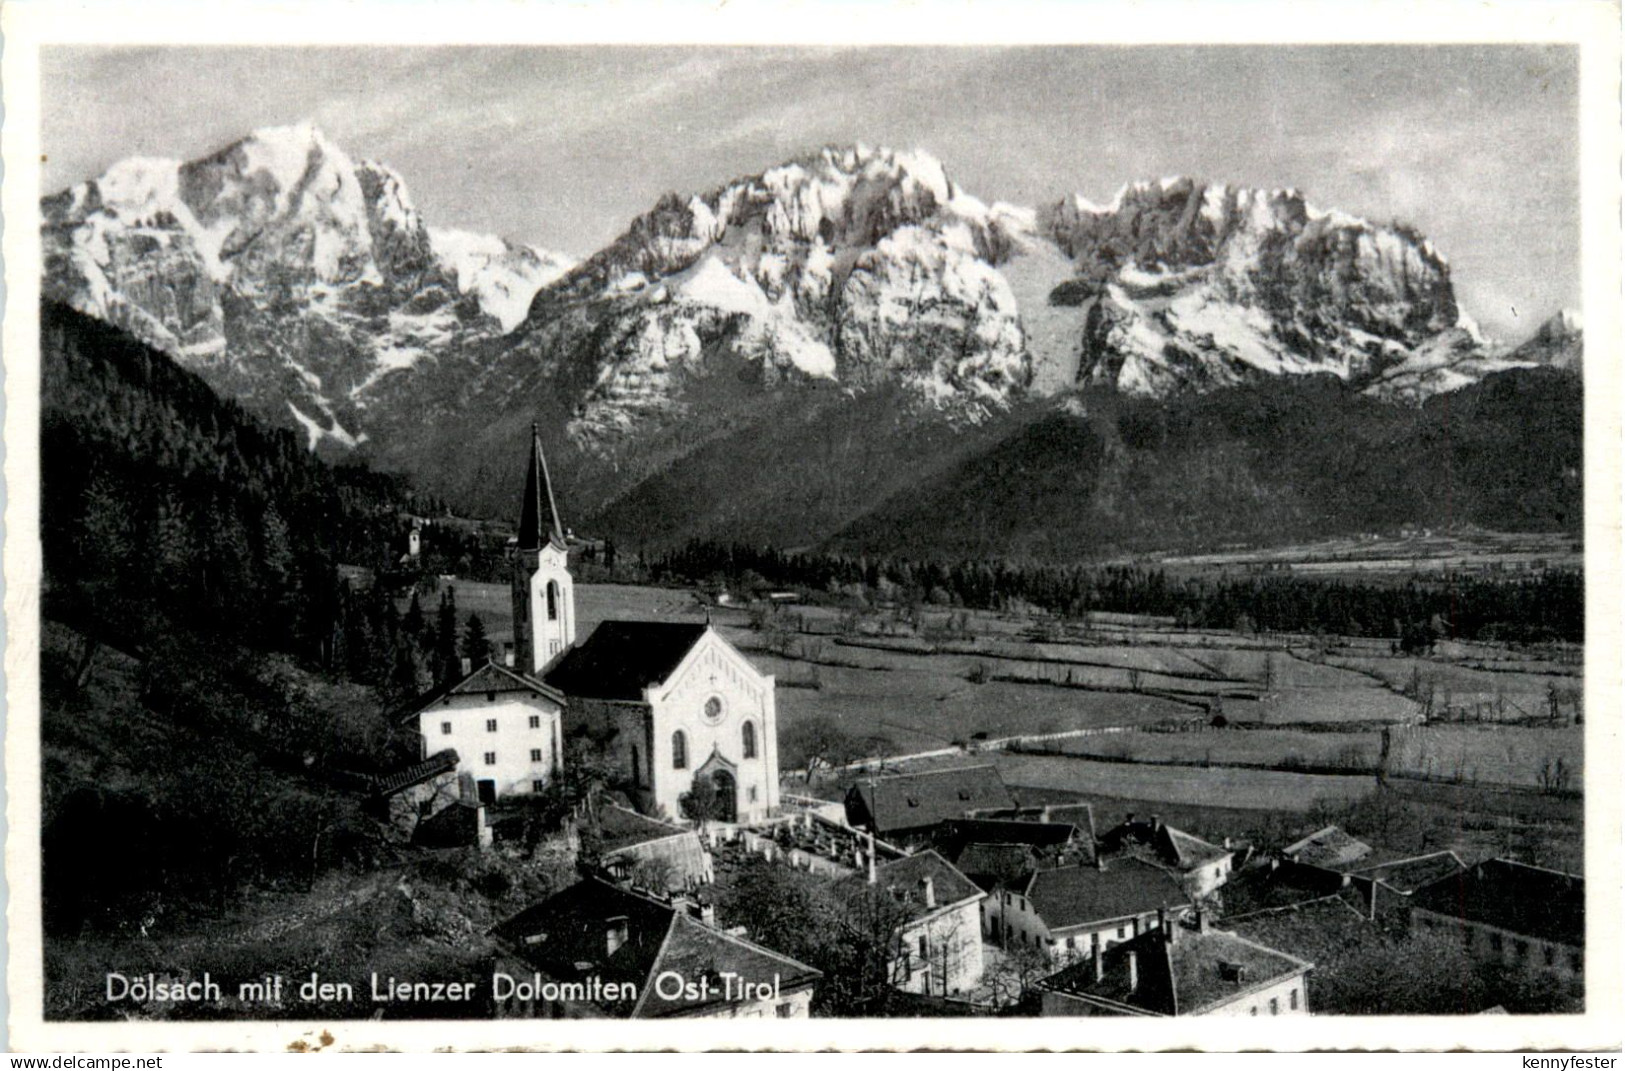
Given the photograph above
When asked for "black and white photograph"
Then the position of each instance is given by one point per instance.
(524, 533)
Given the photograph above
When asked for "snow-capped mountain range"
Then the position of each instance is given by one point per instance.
(285, 273)
(308, 286)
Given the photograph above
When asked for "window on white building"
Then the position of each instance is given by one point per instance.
(535, 721)
(748, 739)
(490, 725)
(786, 1011)
(1275, 1005)
(1292, 999)
(679, 750)
(538, 786)
(535, 754)
(445, 728)
(490, 758)
(753, 793)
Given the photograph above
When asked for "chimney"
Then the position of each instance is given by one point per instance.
(870, 838)
(707, 913)
(468, 665)
(1204, 920)
(1373, 899)
(1156, 822)
(507, 654)
(1227, 845)
(1043, 814)
(615, 934)
(1100, 960)
(928, 892)
(1100, 861)
(1133, 971)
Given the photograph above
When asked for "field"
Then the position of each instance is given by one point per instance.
(1499, 694)
(1246, 747)
(1541, 758)
(953, 679)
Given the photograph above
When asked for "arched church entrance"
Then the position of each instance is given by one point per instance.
(727, 790)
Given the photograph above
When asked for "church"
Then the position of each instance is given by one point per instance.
(688, 722)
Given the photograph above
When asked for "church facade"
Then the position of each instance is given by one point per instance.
(690, 725)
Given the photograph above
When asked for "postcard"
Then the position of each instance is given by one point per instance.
(835, 526)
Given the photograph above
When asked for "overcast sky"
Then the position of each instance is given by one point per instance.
(562, 147)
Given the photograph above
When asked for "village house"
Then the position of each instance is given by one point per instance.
(1175, 970)
(999, 853)
(1329, 847)
(1075, 911)
(1509, 914)
(503, 725)
(1202, 867)
(938, 945)
(905, 809)
(1386, 888)
(597, 950)
(646, 852)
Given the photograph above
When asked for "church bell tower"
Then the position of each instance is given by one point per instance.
(544, 611)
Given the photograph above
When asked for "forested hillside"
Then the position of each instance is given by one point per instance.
(1264, 464)
(206, 679)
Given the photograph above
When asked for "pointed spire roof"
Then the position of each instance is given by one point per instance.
(538, 515)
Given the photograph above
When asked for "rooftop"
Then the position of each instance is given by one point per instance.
(1408, 875)
(1175, 847)
(621, 828)
(568, 938)
(1120, 888)
(417, 773)
(488, 678)
(917, 800)
(1529, 900)
(622, 658)
(905, 877)
(1194, 974)
(1330, 847)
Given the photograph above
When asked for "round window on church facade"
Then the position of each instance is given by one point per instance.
(713, 710)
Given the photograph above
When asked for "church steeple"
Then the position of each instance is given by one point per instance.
(544, 612)
(538, 514)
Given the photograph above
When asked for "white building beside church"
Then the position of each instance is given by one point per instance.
(672, 705)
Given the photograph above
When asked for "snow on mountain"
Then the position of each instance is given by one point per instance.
(309, 285)
(501, 275)
(1559, 342)
(856, 264)
(1187, 285)
(284, 272)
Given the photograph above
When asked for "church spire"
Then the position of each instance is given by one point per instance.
(538, 516)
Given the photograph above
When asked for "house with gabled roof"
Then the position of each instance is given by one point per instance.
(1202, 866)
(1330, 847)
(1073, 911)
(937, 947)
(1176, 970)
(1001, 853)
(504, 726)
(645, 851)
(1509, 914)
(597, 950)
(906, 808)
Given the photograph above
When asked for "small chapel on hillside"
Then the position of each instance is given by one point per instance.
(672, 704)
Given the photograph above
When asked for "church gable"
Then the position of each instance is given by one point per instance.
(713, 665)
